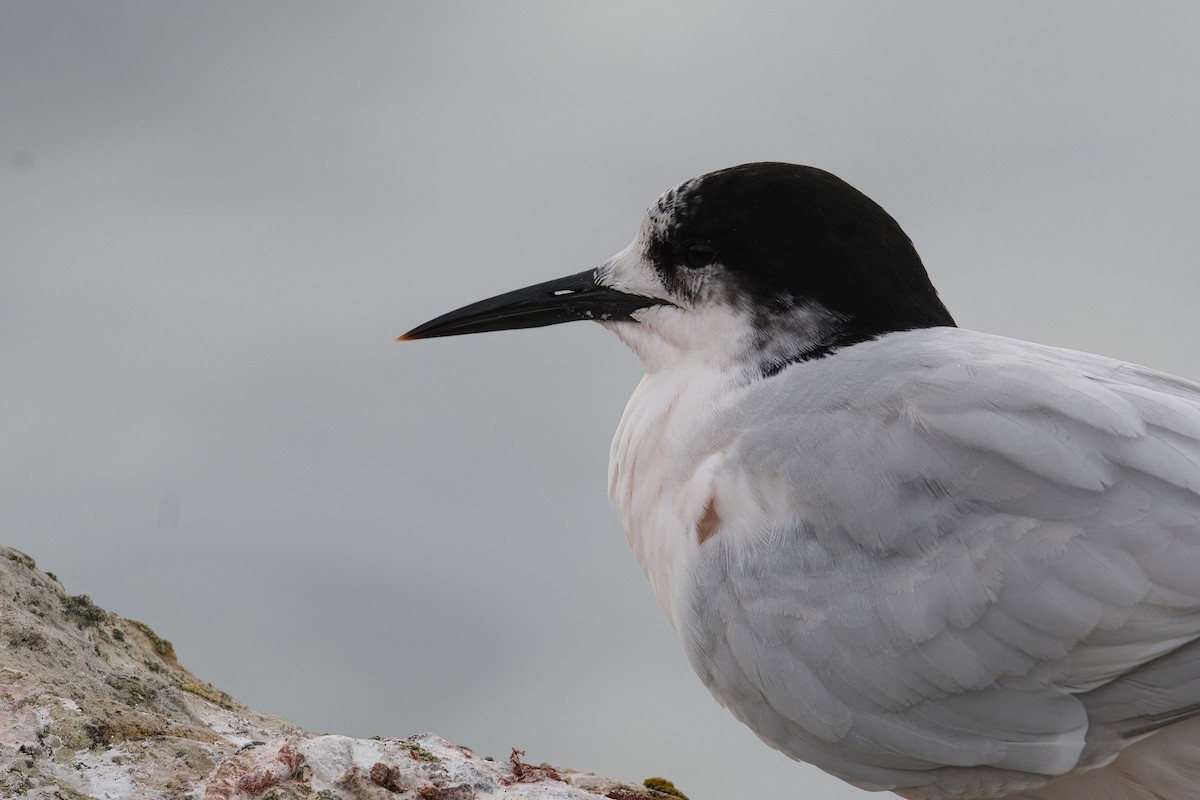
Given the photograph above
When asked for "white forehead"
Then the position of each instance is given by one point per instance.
(632, 270)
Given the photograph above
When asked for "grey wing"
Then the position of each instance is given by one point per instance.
(1003, 576)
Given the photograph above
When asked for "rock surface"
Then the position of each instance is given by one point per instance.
(93, 705)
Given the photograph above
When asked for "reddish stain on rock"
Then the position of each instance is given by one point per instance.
(528, 773)
(460, 792)
(389, 777)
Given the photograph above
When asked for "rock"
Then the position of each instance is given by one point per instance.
(93, 705)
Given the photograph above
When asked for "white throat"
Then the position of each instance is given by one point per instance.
(659, 473)
(700, 352)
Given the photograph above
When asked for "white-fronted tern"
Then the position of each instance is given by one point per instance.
(922, 558)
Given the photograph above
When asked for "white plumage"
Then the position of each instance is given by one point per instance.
(925, 559)
(941, 561)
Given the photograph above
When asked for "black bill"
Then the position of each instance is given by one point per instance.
(566, 299)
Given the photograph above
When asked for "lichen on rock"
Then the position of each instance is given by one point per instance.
(93, 705)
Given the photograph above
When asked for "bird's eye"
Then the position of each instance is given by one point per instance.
(698, 255)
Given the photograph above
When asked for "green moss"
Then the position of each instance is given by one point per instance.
(160, 645)
(419, 753)
(664, 786)
(131, 691)
(83, 610)
(214, 696)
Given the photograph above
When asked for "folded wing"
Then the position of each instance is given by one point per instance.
(976, 567)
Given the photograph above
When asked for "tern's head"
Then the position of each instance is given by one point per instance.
(753, 267)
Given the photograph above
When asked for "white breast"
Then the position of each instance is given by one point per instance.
(660, 472)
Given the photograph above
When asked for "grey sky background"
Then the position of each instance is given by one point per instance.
(215, 217)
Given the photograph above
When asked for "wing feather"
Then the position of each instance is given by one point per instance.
(986, 555)
(1025, 439)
